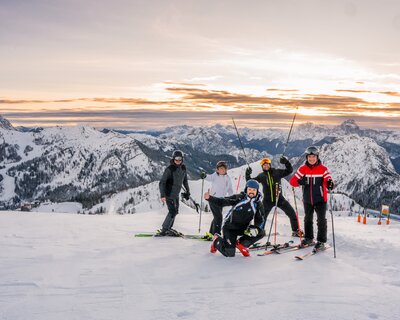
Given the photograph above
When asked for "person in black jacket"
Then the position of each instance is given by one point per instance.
(170, 186)
(269, 179)
(246, 206)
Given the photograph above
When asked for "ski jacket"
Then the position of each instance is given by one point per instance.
(244, 210)
(269, 178)
(313, 178)
(221, 185)
(172, 180)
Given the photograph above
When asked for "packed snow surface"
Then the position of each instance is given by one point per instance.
(70, 266)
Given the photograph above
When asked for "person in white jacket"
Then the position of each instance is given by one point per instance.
(221, 186)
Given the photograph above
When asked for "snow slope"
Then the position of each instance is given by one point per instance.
(62, 266)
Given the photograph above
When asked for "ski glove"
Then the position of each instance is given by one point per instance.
(283, 160)
(251, 231)
(186, 195)
(248, 171)
(330, 185)
(303, 181)
(203, 175)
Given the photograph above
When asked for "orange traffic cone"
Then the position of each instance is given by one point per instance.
(365, 220)
(359, 218)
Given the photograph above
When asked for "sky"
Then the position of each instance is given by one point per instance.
(137, 65)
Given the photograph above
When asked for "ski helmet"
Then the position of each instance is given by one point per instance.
(252, 184)
(177, 155)
(265, 160)
(312, 150)
(222, 164)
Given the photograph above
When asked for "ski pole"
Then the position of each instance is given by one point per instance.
(240, 141)
(276, 222)
(273, 216)
(237, 186)
(297, 213)
(333, 228)
(290, 132)
(201, 203)
(276, 209)
(270, 229)
(196, 205)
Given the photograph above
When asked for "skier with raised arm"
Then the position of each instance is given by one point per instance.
(268, 178)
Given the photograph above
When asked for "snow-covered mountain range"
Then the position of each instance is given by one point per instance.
(86, 165)
(273, 141)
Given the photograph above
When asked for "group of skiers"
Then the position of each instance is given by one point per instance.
(251, 206)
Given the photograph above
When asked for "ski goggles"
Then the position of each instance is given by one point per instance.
(222, 164)
(178, 158)
(264, 161)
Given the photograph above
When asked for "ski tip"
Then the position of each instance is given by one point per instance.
(299, 258)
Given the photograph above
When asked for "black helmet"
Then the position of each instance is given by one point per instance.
(312, 150)
(222, 164)
(177, 155)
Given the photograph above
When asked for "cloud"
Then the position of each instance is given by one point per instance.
(157, 119)
(10, 101)
(391, 93)
(354, 91)
(283, 90)
(199, 104)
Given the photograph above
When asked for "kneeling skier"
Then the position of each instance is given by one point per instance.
(246, 206)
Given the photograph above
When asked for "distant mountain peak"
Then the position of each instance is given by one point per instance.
(349, 125)
(5, 124)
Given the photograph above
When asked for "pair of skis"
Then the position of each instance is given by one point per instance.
(291, 248)
(257, 246)
(312, 253)
(178, 235)
(285, 248)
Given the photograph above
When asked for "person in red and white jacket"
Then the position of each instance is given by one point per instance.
(315, 180)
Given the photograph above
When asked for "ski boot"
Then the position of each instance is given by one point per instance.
(319, 246)
(173, 233)
(307, 242)
(161, 233)
(298, 233)
(208, 237)
(242, 249)
(216, 237)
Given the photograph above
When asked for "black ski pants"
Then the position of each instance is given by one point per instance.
(217, 221)
(285, 206)
(227, 245)
(173, 210)
(320, 209)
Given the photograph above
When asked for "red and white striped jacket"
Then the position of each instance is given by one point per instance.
(316, 177)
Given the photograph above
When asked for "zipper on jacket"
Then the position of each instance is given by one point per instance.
(270, 187)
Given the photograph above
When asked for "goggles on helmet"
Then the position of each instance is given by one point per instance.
(264, 161)
(222, 164)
